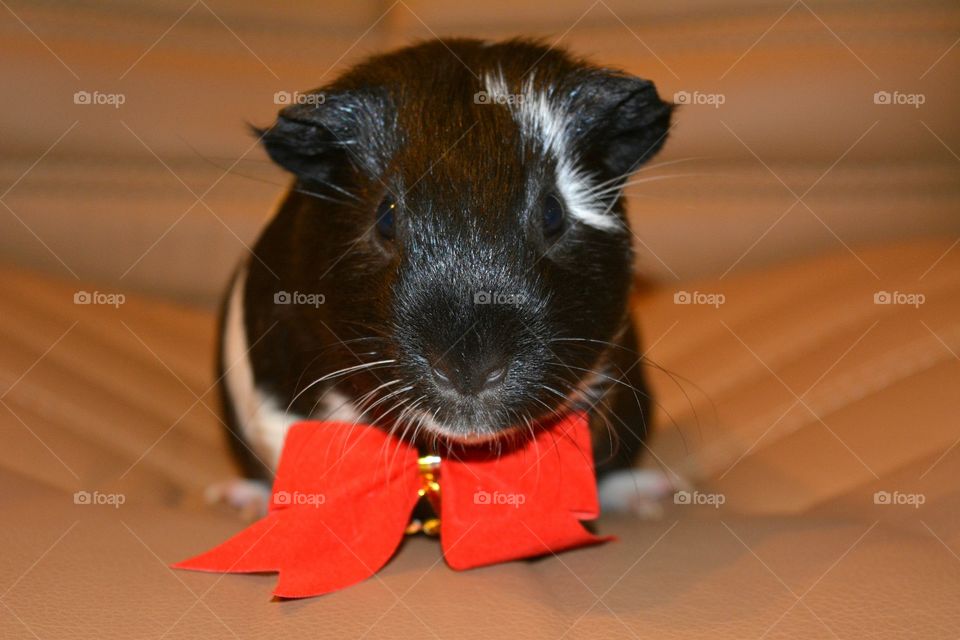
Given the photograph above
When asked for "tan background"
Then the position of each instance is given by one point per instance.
(798, 82)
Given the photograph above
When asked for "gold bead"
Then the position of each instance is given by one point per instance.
(431, 527)
(428, 463)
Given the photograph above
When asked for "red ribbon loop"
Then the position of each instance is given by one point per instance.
(344, 493)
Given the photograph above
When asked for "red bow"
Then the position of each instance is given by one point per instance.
(343, 497)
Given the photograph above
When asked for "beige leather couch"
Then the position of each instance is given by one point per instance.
(814, 410)
(810, 399)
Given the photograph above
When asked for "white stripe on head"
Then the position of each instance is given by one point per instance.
(542, 121)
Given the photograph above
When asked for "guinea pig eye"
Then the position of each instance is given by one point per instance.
(554, 215)
(386, 217)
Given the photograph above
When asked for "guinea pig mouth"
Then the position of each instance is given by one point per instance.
(466, 435)
(486, 421)
(472, 438)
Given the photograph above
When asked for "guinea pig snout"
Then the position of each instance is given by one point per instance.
(469, 377)
(471, 340)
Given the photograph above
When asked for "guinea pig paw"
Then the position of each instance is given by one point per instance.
(638, 492)
(250, 498)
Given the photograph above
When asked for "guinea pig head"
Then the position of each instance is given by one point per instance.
(462, 204)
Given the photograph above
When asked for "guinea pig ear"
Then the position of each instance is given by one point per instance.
(621, 121)
(315, 136)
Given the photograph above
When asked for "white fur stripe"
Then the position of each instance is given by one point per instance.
(546, 124)
(262, 422)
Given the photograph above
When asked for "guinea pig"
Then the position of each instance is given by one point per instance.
(452, 259)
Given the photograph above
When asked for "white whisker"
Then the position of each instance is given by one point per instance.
(337, 373)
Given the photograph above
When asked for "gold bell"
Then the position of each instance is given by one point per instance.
(429, 467)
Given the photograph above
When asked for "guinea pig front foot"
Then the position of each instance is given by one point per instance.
(250, 498)
(639, 492)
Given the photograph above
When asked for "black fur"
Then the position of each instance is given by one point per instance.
(469, 189)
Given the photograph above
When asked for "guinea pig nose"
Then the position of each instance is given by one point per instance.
(467, 379)
(441, 376)
(489, 378)
(494, 376)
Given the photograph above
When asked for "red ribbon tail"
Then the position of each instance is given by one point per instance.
(250, 551)
(333, 521)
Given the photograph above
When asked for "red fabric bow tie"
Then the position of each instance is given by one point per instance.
(344, 493)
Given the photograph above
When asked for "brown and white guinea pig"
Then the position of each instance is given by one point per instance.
(452, 260)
